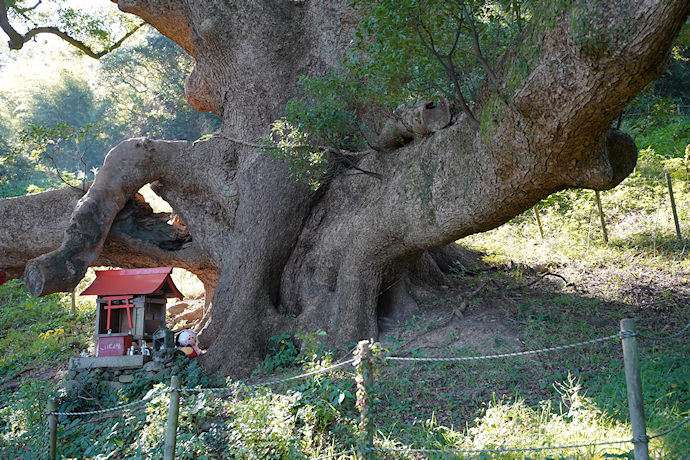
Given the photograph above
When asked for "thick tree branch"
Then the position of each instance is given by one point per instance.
(128, 167)
(410, 122)
(138, 237)
(86, 49)
(17, 40)
(167, 17)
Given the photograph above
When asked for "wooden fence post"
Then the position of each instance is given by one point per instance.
(673, 207)
(365, 380)
(173, 412)
(52, 406)
(634, 383)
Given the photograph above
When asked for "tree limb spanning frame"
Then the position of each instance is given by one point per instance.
(17, 40)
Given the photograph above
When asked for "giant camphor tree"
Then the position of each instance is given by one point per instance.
(276, 255)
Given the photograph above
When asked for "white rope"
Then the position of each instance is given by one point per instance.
(112, 409)
(669, 337)
(514, 449)
(340, 454)
(308, 374)
(270, 382)
(670, 430)
(510, 355)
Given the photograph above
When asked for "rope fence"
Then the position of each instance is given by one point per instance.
(669, 337)
(121, 407)
(622, 335)
(494, 451)
(366, 354)
(271, 382)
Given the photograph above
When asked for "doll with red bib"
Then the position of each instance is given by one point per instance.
(188, 343)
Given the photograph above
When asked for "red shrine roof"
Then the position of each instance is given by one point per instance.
(136, 281)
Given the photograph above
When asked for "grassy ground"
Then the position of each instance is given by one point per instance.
(573, 396)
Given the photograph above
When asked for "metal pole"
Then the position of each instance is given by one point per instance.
(365, 380)
(173, 412)
(52, 428)
(634, 383)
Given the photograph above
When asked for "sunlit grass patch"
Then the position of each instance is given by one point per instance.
(188, 283)
(576, 421)
(639, 224)
(157, 203)
(506, 425)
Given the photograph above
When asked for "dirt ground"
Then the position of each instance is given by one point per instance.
(510, 309)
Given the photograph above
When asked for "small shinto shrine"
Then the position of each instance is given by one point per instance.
(131, 306)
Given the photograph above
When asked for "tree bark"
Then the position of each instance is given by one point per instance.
(287, 258)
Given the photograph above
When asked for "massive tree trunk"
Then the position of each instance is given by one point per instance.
(282, 257)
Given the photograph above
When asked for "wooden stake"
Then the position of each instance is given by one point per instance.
(673, 207)
(173, 412)
(536, 214)
(605, 234)
(634, 383)
(52, 406)
(365, 380)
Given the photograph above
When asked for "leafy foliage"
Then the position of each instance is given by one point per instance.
(83, 109)
(283, 354)
(269, 425)
(144, 85)
(307, 163)
(405, 52)
(318, 129)
(422, 49)
(61, 146)
(36, 330)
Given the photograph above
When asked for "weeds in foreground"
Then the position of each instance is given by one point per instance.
(506, 424)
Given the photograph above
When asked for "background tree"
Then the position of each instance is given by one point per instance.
(144, 86)
(278, 256)
(49, 106)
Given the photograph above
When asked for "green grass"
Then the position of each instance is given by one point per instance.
(570, 397)
(642, 273)
(574, 396)
(639, 224)
(38, 332)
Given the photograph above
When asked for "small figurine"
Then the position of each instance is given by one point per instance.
(188, 343)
